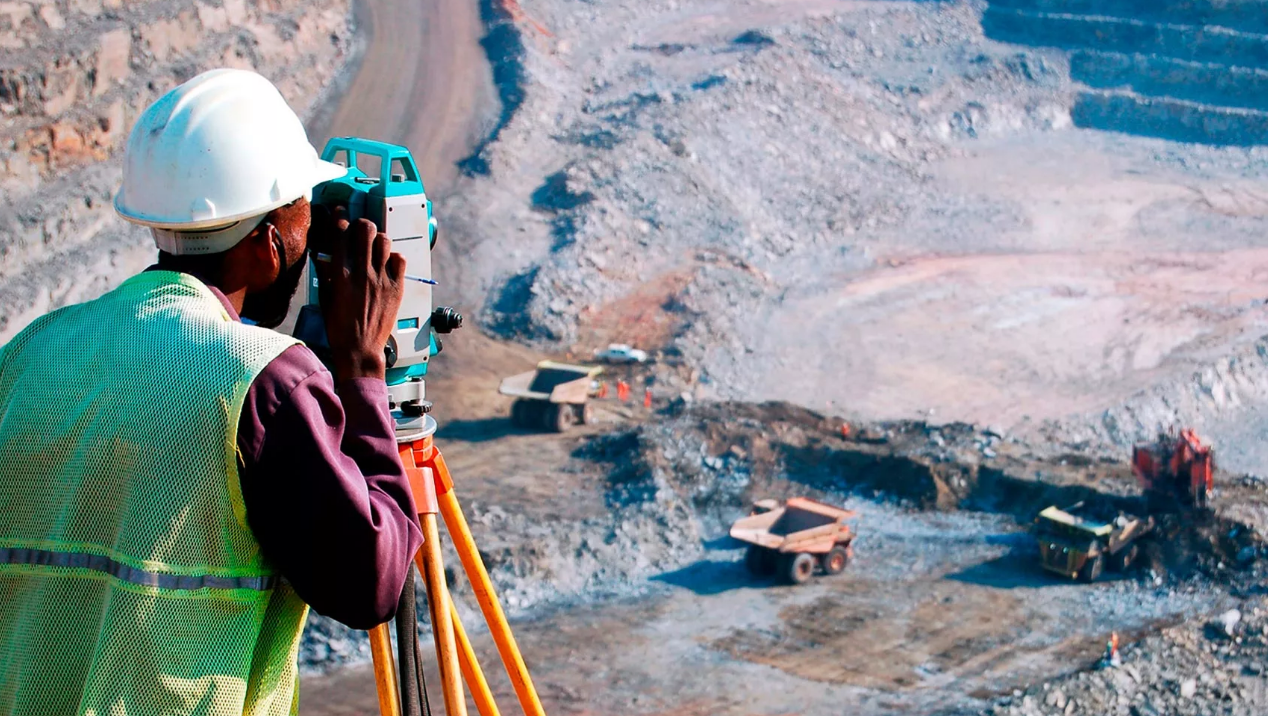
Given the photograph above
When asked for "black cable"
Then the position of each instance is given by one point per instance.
(418, 651)
(422, 680)
(407, 648)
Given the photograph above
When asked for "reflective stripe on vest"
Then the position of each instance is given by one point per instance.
(122, 572)
(130, 582)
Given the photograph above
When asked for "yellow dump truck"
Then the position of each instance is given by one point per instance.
(1074, 543)
(554, 396)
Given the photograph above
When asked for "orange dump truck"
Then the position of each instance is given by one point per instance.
(795, 539)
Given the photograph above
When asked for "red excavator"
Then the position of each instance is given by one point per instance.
(1175, 470)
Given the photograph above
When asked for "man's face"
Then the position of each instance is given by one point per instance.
(268, 308)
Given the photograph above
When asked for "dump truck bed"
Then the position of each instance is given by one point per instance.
(551, 381)
(1076, 522)
(1078, 542)
(800, 525)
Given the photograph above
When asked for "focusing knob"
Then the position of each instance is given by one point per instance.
(445, 320)
(413, 410)
(389, 352)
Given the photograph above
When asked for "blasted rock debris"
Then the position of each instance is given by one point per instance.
(1183, 670)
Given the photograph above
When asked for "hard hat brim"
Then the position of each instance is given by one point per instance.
(323, 171)
(327, 171)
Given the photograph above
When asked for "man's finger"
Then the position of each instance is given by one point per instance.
(395, 268)
(340, 218)
(362, 246)
(382, 248)
(339, 252)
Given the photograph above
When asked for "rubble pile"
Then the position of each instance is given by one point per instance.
(677, 481)
(1215, 666)
(756, 156)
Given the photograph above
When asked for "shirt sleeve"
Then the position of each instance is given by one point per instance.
(325, 492)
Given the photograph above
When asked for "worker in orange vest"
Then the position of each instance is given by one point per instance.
(1111, 657)
(647, 398)
(603, 390)
(622, 391)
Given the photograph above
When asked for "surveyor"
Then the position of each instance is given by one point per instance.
(177, 485)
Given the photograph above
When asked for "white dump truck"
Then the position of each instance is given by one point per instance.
(554, 396)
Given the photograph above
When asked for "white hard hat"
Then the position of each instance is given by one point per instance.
(210, 158)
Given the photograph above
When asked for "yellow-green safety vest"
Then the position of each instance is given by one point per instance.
(130, 583)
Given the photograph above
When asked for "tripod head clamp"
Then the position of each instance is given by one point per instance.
(413, 428)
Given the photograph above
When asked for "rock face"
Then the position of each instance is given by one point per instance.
(1186, 71)
(74, 75)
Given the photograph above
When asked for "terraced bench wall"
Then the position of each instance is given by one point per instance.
(1206, 83)
(1209, 44)
(1244, 15)
(1172, 119)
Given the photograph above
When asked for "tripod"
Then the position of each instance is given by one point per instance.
(432, 486)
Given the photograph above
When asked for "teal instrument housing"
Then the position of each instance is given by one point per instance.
(345, 151)
(390, 182)
(382, 184)
(396, 376)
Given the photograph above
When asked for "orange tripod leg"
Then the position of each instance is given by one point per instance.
(432, 565)
(384, 671)
(465, 544)
(471, 672)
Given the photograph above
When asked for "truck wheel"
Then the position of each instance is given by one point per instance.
(797, 568)
(1092, 568)
(759, 561)
(543, 415)
(587, 414)
(835, 560)
(1122, 561)
(519, 414)
(561, 417)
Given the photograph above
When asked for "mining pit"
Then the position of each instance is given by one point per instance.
(639, 602)
(1001, 241)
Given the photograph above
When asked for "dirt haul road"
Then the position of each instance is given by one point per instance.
(423, 82)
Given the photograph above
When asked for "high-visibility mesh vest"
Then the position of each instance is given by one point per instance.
(130, 584)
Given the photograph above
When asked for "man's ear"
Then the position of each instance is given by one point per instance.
(262, 248)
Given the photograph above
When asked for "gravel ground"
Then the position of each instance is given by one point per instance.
(641, 604)
(1216, 667)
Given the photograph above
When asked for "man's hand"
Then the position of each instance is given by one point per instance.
(360, 290)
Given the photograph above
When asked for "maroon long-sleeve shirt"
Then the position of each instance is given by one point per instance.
(325, 492)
